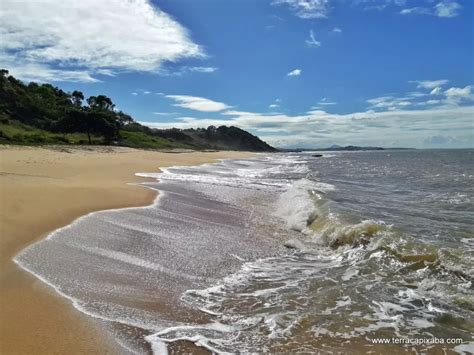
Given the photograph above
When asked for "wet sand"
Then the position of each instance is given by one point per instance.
(42, 190)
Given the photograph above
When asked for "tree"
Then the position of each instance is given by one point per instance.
(88, 122)
(210, 132)
(3, 73)
(77, 97)
(123, 119)
(100, 103)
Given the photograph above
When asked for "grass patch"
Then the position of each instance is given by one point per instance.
(142, 140)
(18, 133)
(21, 134)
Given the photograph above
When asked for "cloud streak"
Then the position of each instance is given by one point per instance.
(444, 8)
(319, 9)
(186, 70)
(197, 103)
(312, 42)
(307, 9)
(429, 84)
(325, 102)
(295, 72)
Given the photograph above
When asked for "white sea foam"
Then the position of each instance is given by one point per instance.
(347, 277)
(297, 205)
(249, 174)
(465, 349)
(100, 263)
(159, 340)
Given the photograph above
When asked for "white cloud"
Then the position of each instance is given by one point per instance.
(318, 128)
(307, 9)
(416, 94)
(412, 119)
(275, 103)
(197, 103)
(453, 96)
(436, 91)
(391, 103)
(446, 8)
(203, 69)
(464, 92)
(429, 84)
(164, 113)
(43, 73)
(314, 9)
(186, 70)
(416, 10)
(296, 72)
(75, 40)
(400, 2)
(325, 102)
(142, 92)
(106, 72)
(456, 96)
(379, 4)
(312, 42)
(336, 30)
(428, 103)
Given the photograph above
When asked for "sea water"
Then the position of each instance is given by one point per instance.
(285, 252)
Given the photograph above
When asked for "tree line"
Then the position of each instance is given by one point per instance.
(50, 108)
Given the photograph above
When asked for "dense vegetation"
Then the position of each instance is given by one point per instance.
(43, 114)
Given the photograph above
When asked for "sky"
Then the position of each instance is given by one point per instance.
(297, 73)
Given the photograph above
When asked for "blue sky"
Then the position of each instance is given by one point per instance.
(298, 73)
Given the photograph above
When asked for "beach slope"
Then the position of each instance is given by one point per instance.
(42, 189)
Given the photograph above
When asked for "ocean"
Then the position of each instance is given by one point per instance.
(350, 252)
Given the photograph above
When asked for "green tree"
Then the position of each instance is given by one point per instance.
(77, 97)
(100, 103)
(88, 122)
(123, 119)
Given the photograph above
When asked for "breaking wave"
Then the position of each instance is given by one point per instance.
(345, 280)
(281, 253)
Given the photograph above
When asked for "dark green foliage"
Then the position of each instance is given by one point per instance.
(95, 123)
(142, 140)
(49, 108)
(224, 137)
(77, 98)
(44, 114)
(100, 103)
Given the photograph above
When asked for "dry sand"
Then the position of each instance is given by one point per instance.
(41, 190)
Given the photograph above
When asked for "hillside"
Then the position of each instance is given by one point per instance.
(36, 114)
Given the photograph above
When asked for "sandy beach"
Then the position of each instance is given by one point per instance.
(41, 190)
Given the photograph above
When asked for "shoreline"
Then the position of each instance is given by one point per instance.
(34, 183)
